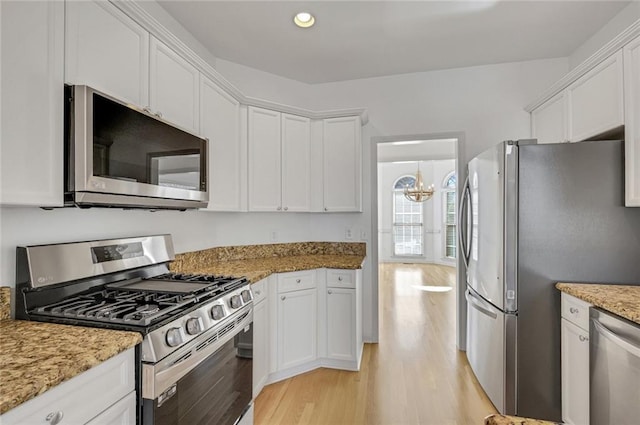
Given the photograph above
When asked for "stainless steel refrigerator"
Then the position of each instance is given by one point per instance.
(532, 215)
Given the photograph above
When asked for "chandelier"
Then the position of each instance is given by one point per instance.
(418, 193)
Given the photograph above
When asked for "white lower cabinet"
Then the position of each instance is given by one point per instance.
(260, 336)
(575, 361)
(297, 327)
(105, 389)
(341, 324)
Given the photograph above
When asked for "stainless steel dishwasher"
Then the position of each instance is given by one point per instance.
(615, 369)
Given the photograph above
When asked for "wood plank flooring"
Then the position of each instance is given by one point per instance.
(415, 375)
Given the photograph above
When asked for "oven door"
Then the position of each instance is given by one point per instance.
(218, 390)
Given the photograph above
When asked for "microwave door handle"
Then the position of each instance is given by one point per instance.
(619, 341)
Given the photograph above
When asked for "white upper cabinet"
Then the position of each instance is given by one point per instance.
(548, 122)
(107, 50)
(31, 162)
(279, 155)
(296, 176)
(174, 87)
(342, 164)
(264, 134)
(221, 121)
(596, 100)
(632, 122)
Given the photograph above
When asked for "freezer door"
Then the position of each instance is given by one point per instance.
(490, 351)
(485, 269)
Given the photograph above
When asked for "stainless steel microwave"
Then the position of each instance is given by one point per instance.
(120, 155)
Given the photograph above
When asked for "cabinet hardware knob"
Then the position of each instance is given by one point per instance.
(330, 291)
(583, 338)
(147, 110)
(340, 278)
(326, 209)
(286, 208)
(283, 298)
(257, 292)
(55, 418)
(279, 208)
(573, 310)
(159, 114)
(297, 280)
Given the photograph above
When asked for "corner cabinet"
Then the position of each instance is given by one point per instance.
(279, 161)
(632, 122)
(548, 122)
(343, 319)
(222, 120)
(342, 164)
(575, 360)
(31, 129)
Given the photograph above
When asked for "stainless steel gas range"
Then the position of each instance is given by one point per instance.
(194, 365)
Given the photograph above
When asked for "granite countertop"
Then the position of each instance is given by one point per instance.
(35, 357)
(514, 420)
(623, 300)
(256, 269)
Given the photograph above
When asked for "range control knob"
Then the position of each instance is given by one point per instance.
(235, 301)
(174, 337)
(194, 326)
(217, 312)
(246, 296)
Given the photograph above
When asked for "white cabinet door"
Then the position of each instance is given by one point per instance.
(31, 134)
(260, 346)
(548, 122)
(632, 122)
(264, 160)
(341, 324)
(174, 87)
(296, 176)
(220, 122)
(297, 328)
(342, 175)
(575, 374)
(107, 50)
(596, 100)
(121, 413)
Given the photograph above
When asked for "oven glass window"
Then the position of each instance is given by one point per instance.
(131, 146)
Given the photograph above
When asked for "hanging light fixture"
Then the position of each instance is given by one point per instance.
(418, 193)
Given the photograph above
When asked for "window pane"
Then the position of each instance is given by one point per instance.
(407, 240)
(401, 183)
(450, 230)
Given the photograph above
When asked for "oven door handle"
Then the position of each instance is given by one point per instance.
(159, 377)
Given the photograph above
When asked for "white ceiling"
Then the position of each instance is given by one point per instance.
(359, 39)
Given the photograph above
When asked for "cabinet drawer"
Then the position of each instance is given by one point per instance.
(121, 413)
(295, 281)
(81, 398)
(259, 290)
(337, 278)
(576, 311)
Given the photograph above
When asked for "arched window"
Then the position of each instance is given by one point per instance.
(407, 220)
(449, 202)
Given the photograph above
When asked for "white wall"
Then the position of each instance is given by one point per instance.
(615, 26)
(433, 234)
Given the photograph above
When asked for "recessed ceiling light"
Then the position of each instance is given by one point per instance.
(304, 20)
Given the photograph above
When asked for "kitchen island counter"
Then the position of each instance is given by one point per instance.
(35, 356)
(623, 300)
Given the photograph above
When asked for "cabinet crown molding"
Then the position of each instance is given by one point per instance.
(148, 22)
(604, 52)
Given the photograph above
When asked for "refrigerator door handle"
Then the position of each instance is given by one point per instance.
(462, 230)
(471, 299)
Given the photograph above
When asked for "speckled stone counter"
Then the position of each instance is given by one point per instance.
(623, 300)
(514, 420)
(5, 302)
(257, 262)
(35, 357)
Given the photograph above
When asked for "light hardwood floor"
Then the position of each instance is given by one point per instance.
(415, 375)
